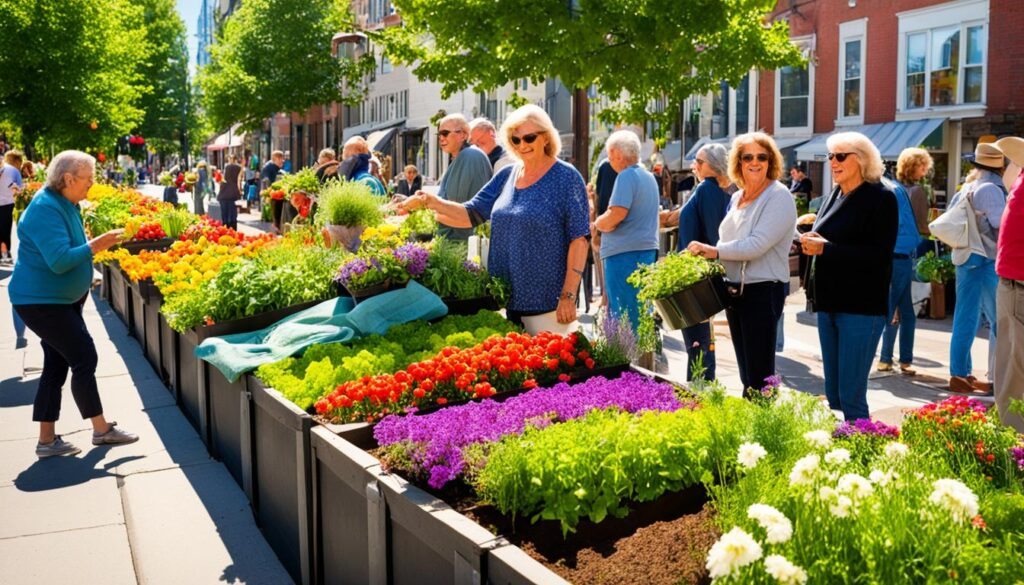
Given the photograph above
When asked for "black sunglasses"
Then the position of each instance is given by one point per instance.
(527, 138)
(748, 157)
(445, 133)
(839, 156)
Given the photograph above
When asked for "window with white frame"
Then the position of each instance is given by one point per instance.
(852, 39)
(794, 93)
(943, 56)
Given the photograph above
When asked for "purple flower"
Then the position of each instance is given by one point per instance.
(413, 257)
(435, 441)
(471, 266)
(1018, 456)
(354, 267)
(866, 426)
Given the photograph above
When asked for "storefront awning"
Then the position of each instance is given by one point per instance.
(380, 140)
(366, 129)
(230, 139)
(890, 138)
(704, 141)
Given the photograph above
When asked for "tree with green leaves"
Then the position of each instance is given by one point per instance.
(275, 56)
(635, 50)
(70, 70)
(168, 102)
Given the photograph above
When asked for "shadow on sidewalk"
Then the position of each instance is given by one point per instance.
(17, 392)
(60, 472)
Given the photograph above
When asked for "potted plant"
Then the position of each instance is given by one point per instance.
(682, 287)
(345, 209)
(464, 285)
(373, 272)
(419, 226)
(938, 270)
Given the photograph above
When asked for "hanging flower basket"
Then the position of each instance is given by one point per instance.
(692, 305)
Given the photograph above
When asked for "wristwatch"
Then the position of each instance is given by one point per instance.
(567, 295)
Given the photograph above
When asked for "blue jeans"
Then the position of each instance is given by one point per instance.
(900, 299)
(976, 283)
(622, 301)
(699, 343)
(848, 344)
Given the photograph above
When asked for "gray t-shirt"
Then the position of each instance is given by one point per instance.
(637, 190)
(759, 234)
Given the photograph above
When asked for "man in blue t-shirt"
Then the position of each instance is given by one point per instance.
(629, 226)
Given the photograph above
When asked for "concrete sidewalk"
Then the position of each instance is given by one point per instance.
(157, 511)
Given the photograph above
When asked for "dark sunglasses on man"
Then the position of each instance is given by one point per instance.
(527, 138)
(839, 156)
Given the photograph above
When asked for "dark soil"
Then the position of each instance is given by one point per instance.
(661, 542)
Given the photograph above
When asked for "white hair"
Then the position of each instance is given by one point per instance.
(67, 162)
(626, 142)
(870, 160)
(717, 157)
(481, 123)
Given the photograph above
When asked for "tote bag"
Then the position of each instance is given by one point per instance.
(952, 227)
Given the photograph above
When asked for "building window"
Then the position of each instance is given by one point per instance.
(852, 41)
(743, 106)
(851, 79)
(385, 65)
(944, 54)
(794, 97)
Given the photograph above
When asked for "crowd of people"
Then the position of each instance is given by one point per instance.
(546, 223)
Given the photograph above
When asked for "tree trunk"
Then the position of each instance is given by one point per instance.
(581, 132)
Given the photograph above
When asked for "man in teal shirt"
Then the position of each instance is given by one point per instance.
(468, 172)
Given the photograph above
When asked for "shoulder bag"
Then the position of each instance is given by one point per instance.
(952, 227)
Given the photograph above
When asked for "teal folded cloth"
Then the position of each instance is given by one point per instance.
(331, 321)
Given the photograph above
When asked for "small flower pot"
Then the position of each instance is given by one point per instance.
(346, 236)
(372, 291)
(937, 301)
(692, 305)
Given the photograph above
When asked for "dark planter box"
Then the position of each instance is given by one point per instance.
(192, 381)
(168, 354)
(349, 514)
(373, 527)
(509, 565)
(471, 306)
(120, 295)
(229, 421)
(104, 269)
(136, 247)
(146, 301)
(692, 305)
(279, 480)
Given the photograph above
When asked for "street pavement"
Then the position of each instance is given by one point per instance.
(161, 511)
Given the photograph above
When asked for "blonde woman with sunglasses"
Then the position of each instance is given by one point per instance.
(852, 245)
(753, 245)
(539, 220)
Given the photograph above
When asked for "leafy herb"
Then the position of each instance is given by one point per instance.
(349, 203)
(937, 269)
(672, 274)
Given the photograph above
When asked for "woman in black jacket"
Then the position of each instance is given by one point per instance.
(851, 244)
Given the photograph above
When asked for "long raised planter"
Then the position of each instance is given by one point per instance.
(120, 297)
(279, 482)
(168, 354)
(407, 537)
(146, 302)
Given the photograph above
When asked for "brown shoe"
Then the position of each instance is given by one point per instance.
(906, 370)
(960, 385)
(980, 386)
(884, 367)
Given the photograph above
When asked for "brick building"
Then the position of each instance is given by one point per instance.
(905, 72)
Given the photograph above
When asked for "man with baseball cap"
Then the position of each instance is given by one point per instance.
(1009, 363)
(976, 278)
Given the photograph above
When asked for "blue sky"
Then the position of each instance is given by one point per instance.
(189, 11)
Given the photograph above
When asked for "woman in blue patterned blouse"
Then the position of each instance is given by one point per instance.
(539, 219)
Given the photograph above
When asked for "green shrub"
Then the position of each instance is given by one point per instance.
(672, 274)
(349, 203)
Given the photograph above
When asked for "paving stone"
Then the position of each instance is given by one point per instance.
(91, 555)
(175, 513)
(60, 493)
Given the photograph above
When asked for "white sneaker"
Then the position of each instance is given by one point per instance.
(114, 436)
(57, 448)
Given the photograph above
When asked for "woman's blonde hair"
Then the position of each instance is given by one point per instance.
(531, 113)
(65, 163)
(870, 160)
(761, 139)
(411, 168)
(14, 158)
(910, 160)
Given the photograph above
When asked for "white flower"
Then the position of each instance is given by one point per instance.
(841, 507)
(734, 550)
(784, 571)
(775, 523)
(837, 457)
(827, 494)
(956, 497)
(804, 470)
(895, 450)
(818, 439)
(882, 478)
(857, 486)
(750, 454)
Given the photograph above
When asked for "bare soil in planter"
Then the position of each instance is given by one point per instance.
(661, 542)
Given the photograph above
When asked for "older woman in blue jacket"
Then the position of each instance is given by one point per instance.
(48, 289)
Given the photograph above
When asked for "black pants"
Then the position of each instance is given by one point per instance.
(229, 214)
(753, 320)
(6, 221)
(66, 345)
(699, 344)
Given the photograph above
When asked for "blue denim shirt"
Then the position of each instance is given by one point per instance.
(907, 237)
